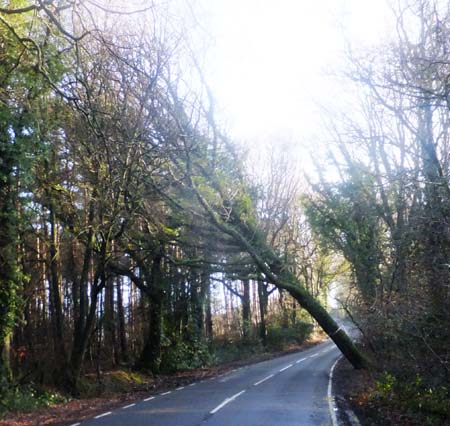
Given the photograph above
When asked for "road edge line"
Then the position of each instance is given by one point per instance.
(331, 403)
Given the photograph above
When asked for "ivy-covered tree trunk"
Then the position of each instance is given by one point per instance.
(263, 298)
(196, 299)
(246, 322)
(151, 354)
(9, 276)
(208, 313)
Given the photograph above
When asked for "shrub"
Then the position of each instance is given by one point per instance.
(27, 398)
(280, 338)
(427, 404)
(225, 351)
(185, 356)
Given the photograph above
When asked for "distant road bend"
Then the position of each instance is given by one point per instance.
(286, 391)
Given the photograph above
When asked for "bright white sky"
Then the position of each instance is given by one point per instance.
(269, 61)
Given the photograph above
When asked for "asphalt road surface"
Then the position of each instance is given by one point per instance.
(286, 391)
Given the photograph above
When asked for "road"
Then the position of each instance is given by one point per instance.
(286, 391)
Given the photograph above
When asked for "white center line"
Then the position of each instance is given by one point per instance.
(149, 398)
(300, 360)
(75, 424)
(285, 368)
(102, 415)
(312, 356)
(166, 393)
(192, 384)
(231, 398)
(263, 380)
(180, 388)
(128, 406)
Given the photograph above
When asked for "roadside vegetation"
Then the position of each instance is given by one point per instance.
(388, 214)
(136, 243)
(132, 238)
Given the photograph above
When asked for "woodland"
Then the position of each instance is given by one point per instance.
(133, 235)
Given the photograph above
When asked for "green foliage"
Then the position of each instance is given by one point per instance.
(113, 382)
(183, 355)
(428, 404)
(345, 219)
(280, 338)
(225, 351)
(27, 398)
(385, 384)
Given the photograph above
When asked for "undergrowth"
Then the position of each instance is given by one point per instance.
(426, 404)
(27, 398)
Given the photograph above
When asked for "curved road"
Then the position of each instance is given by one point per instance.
(289, 390)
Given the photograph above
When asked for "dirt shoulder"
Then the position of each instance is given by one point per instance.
(130, 389)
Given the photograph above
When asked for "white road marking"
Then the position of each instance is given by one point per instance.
(166, 393)
(263, 380)
(128, 406)
(75, 424)
(192, 384)
(180, 388)
(300, 360)
(228, 400)
(331, 403)
(149, 398)
(102, 415)
(312, 356)
(285, 368)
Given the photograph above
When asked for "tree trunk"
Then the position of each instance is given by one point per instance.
(5, 361)
(9, 277)
(55, 296)
(80, 321)
(121, 320)
(263, 300)
(151, 354)
(208, 313)
(196, 294)
(109, 323)
(246, 309)
(79, 351)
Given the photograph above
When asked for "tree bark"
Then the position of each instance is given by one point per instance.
(246, 309)
(151, 354)
(109, 323)
(263, 301)
(55, 296)
(208, 313)
(121, 322)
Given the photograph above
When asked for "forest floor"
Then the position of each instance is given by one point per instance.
(120, 386)
(358, 391)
